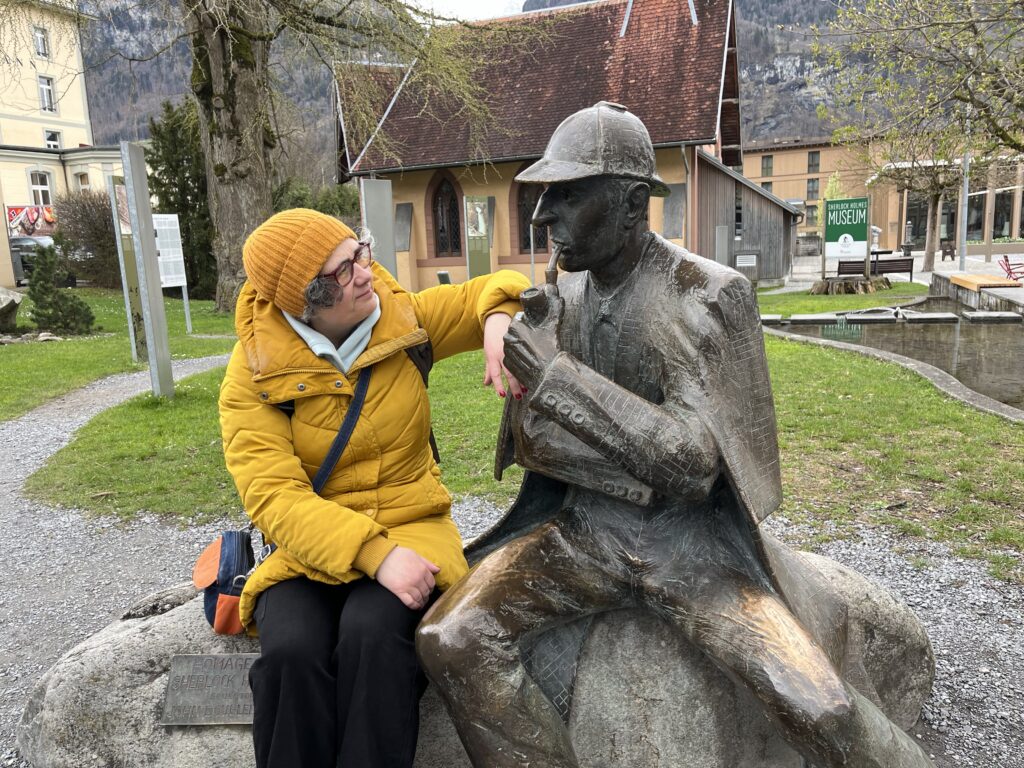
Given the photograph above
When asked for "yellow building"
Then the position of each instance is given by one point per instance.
(45, 135)
(799, 171)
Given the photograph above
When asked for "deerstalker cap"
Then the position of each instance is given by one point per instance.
(603, 140)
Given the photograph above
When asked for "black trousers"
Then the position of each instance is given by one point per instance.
(337, 683)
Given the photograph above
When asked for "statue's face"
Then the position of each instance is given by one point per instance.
(584, 220)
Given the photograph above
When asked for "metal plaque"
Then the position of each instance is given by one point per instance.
(403, 226)
(378, 216)
(209, 690)
(674, 217)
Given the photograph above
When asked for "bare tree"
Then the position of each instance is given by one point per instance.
(230, 41)
(963, 58)
(926, 160)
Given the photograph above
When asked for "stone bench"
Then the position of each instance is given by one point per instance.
(643, 697)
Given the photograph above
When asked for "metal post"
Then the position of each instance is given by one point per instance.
(188, 311)
(129, 276)
(964, 192)
(533, 259)
(144, 240)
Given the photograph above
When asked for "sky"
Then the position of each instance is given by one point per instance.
(473, 9)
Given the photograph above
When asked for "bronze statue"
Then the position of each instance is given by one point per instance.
(648, 433)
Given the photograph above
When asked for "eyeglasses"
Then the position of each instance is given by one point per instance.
(344, 273)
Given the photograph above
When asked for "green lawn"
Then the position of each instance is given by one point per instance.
(31, 374)
(787, 304)
(861, 440)
(165, 456)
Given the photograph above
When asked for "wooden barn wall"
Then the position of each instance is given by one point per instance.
(764, 230)
(716, 203)
(764, 225)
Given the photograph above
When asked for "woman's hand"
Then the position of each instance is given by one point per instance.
(495, 327)
(407, 576)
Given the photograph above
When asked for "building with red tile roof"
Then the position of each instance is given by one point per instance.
(671, 62)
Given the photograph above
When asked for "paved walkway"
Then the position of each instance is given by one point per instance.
(67, 575)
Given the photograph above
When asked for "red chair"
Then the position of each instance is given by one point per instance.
(1014, 271)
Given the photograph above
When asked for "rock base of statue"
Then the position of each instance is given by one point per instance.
(643, 697)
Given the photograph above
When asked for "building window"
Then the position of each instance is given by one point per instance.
(766, 165)
(812, 189)
(82, 179)
(41, 40)
(529, 194)
(39, 181)
(447, 227)
(47, 103)
(976, 216)
(738, 216)
(812, 216)
(52, 139)
(766, 186)
(1002, 214)
(813, 162)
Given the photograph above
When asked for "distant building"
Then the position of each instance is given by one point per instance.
(799, 171)
(45, 135)
(674, 64)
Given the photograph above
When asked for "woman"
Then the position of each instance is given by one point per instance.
(337, 603)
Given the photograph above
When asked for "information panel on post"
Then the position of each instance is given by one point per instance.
(846, 228)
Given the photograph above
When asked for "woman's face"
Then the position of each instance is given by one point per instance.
(354, 301)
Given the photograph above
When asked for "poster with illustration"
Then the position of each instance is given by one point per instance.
(30, 220)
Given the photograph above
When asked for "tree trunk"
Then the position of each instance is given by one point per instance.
(230, 49)
(931, 232)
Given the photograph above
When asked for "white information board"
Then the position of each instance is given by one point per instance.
(171, 256)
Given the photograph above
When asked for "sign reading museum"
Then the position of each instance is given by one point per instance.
(846, 228)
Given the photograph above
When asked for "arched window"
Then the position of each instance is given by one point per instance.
(529, 194)
(447, 231)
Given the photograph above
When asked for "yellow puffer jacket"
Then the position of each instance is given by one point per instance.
(386, 490)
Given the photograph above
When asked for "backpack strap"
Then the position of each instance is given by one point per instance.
(422, 356)
(345, 432)
(337, 448)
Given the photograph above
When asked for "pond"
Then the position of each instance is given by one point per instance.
(987, 357)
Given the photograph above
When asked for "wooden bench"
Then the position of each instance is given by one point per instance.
(878, 266)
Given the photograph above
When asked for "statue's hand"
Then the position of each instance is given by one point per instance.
(529, 351)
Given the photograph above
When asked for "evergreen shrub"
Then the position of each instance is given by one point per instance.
(55, 309)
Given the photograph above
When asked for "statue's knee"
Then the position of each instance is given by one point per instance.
(451, 641)
(442, 641)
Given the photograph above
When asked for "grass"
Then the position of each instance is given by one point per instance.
(861, 441)
(787, 304)
(31, 374)
(165, 457)
(867, 441)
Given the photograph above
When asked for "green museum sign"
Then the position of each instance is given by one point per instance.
(846, 228)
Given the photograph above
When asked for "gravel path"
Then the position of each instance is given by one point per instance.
(67, 576)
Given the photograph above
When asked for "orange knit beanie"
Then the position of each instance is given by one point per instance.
(287, 251)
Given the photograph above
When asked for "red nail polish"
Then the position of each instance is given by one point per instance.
(519, 397)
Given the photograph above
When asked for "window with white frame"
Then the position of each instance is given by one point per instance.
(47, 99)
(82, 179)
(52, 139)
(41, 40)
(39, 182)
